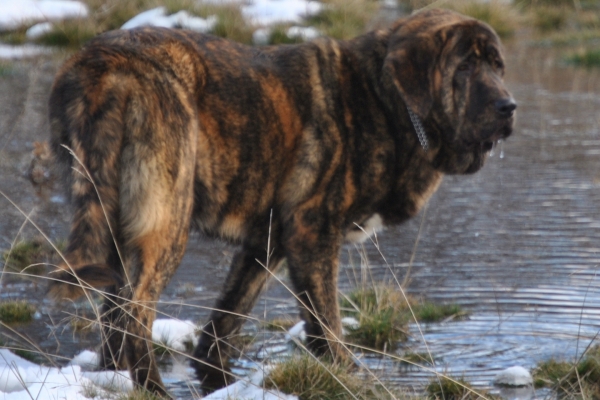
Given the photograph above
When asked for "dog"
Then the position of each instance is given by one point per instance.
(160, 131)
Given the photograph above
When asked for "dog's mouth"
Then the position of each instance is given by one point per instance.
(497, 137)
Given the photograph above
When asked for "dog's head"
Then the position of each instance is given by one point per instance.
(448, 69)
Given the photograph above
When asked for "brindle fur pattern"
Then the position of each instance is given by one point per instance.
(158, 131)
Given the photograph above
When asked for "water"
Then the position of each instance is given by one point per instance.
(517, 245)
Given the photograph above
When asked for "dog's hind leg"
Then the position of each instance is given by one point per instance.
(245, 281)
(156, 201)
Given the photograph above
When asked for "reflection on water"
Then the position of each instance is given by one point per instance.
(517, 244)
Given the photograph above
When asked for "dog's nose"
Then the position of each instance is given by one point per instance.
(505, 107)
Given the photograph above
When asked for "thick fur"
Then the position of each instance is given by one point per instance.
(158, 131)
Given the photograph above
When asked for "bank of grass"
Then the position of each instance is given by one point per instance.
(339, 19)
(500, 15)
(571, 380)
(383, 314)
(344, 19)
(112, 14)
(312, 379)
(16, 311)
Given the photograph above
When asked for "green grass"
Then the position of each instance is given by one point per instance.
(5, 69)
(431, 312)
(69, 33)
(15, 37)
(549, 19)
(410, 359)
(138, 394)
(22, 255)
(344, 19)
(28, 255)
(279, 35)
(19, 311)
(586, 58)
(499, 15)
(106, 15)
(383, 314)
(571, 380)
(447, 388)
(311, 379)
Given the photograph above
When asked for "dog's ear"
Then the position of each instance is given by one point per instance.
(409, 67)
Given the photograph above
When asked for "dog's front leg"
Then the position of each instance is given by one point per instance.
(312, 251)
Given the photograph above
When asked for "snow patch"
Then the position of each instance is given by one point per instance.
(182, 19)
(297, 332)
(39, 30)
(28, 50)
(269, 12)
(21, 379)
(174, 334)
(514, 376)
(249, 389)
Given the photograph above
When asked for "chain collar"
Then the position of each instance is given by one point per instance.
(419, 129)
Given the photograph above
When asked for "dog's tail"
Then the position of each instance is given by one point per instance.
(71, 284)
(86, 142)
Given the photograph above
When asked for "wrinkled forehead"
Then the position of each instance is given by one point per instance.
(453, 32)
(473, 38)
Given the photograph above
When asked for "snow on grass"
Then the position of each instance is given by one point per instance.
(182, 19)
(269, 12)
(28, 50)
(249, 389)
(23, 380)
(16, 13)
(263, 14)
(174, 334)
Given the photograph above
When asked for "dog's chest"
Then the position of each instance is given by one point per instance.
(362, 231)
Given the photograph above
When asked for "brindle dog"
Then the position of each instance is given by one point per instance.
(161, 130)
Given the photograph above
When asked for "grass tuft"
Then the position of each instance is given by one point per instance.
(409, 359)
(16, 311)
(431, 312)
(383, 314)
(446, 388)
(26, 253)
(570, 380)
(311, 379)
(139, 394)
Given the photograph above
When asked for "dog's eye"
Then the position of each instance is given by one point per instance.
(499, 64)
(465, 66)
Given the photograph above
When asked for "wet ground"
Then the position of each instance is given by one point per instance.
(517, 245)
